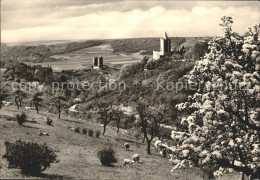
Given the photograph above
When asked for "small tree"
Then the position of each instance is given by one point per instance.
(105, 111)
(221, 125)
(58, 100)
(117, 116)
(150, 119)
(36, 99)
(31, 158)
(19, 96)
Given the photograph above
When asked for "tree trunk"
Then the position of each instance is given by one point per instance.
(104, 129)
(17, 104)
(148, 147)
(37, 110)
(59, 109)
(117, 129)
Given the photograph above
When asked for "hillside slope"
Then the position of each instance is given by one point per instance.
(77, 152)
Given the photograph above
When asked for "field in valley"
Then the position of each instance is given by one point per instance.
(83, 58)
(77, 152)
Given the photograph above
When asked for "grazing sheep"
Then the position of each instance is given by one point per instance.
(136, 157)
(29, 108)
(44, 134)
(71, 128)
(128, 161)
(5, 103)
(127, 146)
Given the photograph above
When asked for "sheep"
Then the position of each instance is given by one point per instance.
(29, 108)
(128, 161)
(127, 146)
(71, 128)
(43, 134)
(136, 157)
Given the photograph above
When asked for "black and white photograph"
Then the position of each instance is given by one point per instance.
(130, 89)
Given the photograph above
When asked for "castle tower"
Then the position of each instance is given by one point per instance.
(100, 61)
(165, 47)
(95, 61)
(165, 44)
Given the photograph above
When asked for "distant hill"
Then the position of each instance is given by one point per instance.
(24, 53)
(148, 45)
(43, 50)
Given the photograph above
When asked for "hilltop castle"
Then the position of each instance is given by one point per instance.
(165, 47)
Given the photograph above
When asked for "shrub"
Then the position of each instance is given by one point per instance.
(84, 131)
(49, 121)
(77, 130)
(90, 132)
(31, 158)
(89, 116)
(21, 118)
(98, 132)
(107, 156)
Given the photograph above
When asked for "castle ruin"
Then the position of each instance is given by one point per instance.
(98, 62)
(165, 47)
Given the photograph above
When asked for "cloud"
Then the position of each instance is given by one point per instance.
(53, 20)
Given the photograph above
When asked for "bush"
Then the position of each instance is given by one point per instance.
(89, 116)
(84, 131)
(21, 118)
(90, 132)
(77, 130)
(107, 156)
(49, 121)
(98, 132)
(31, 158)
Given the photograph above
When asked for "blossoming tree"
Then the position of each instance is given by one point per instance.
(223, 126)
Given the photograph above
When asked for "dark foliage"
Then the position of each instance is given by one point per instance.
(89, 116)
(21, 118)
(77, 130)
(107, 156)
(31, 158)
(90, 133)
(84, 131)
(98, 132)
(49, 121)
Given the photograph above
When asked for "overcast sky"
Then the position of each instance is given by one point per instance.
(34, 20)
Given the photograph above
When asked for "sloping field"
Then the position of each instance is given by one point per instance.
(77, 153)
(84, 57)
